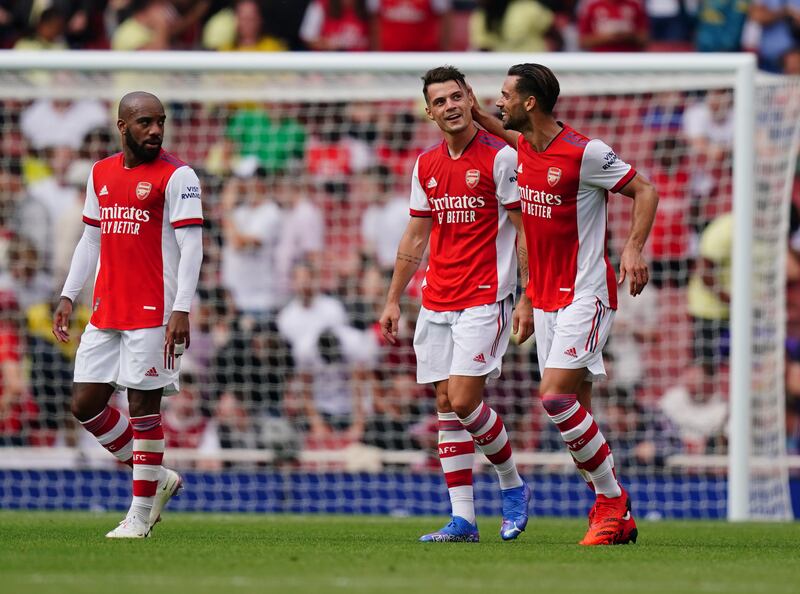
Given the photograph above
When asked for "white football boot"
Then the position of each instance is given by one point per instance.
(169, 484)
(131, 527)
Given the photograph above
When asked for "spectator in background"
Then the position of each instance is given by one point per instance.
(645, 436)
(698, 410)
(410, 25)
(384, 219)
(779, 21)
(395, 411)
(250, 35)
(310, 312)
(49, 200)
(720, 24)
(670, 237)
(336, 26)
(47, 34)
(303, 227)
(269, 133)
(151, 26)
(17, 412)
(48, 123)
(671, 24)
(182, 417)
(25, 277)
(251, 229)
(510, 26)
(791, 62)
(709, 299)
(707, 126)
(612, 25)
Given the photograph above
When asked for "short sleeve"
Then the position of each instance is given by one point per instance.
(505, 178)
(602, 167)
(183, 198)
(91, 206)
(419, 199)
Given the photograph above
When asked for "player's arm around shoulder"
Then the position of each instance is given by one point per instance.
(491, 124)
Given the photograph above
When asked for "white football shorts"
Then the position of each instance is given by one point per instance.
(468, 342)
(126, 359)
(573, 337)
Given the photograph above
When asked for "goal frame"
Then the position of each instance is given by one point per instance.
(740, 67)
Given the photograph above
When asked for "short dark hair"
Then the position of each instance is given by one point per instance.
(442, 74)
(539, 81)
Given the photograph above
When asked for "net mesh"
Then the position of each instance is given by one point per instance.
(305, 181)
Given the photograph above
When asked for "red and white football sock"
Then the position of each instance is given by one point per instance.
(584, 440)
(457, 455)
(489, 433)
(114, 432)
(148, 453)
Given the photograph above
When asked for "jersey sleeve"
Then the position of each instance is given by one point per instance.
(183, 198)
(505, 178)
(602, 167)
(91, 206)
(419, 200)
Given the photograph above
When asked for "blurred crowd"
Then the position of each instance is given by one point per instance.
(305, 205)
(771, 28)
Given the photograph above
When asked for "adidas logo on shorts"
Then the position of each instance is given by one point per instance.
(152, 372)
(571, 352)
(479, 358)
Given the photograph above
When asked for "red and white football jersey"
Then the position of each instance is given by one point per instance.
(564, 191)
(473, 258)
(136, 210)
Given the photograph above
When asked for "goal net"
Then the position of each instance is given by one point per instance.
(290, 402)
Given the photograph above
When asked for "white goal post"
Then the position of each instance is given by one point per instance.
(339, 77)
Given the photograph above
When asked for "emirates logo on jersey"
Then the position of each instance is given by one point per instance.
(553, 176)
(472, 177)
(143, 190)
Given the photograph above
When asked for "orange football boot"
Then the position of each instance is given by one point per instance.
(611, 522)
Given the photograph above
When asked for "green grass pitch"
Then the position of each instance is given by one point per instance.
(64, 553)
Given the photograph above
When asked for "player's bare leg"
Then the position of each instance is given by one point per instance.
(610, 518)
(456, 454)
(489, 433)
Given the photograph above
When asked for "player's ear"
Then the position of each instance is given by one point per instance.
(530, 103)
(428, 112)
(121, 126)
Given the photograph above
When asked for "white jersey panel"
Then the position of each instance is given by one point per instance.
(507, 194)
(601, 170)
(182, 196)
(91, 207)
(419, 199)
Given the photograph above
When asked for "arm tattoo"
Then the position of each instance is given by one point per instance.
(522, 262)
(410, 258)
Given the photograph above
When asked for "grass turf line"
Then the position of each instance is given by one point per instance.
(65, 553)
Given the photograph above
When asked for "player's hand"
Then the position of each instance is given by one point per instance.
(176, 339)
(476, 105)
(522, 320)
(632, 265)
(61, 319)
(390, 322)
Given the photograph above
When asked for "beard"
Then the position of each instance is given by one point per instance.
(140, 151)
(515, 122)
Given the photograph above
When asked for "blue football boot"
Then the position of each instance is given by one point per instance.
(458, 530)
(515, 511)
